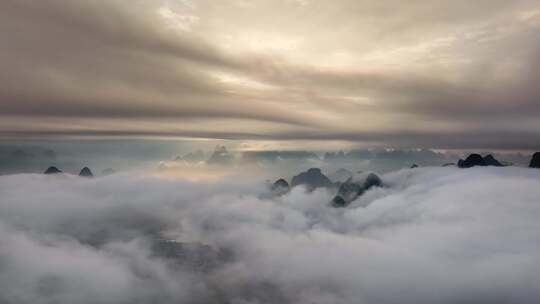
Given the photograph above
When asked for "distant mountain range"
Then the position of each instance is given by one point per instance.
(348, 186)
(391, 158)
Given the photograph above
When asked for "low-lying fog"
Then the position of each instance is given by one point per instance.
(430, 235)
(215, 159)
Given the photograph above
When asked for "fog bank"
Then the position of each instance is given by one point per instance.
(432, 235)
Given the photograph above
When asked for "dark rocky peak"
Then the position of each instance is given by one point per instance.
(86, 172)
(52, 170)
(280, 187)
(491, 161)
(372, 180)
(280, 183)
(414, 166)
(535, 160)
(312, 179)
(477, 160)
(472, 161)
(339, 202)
(350, 190)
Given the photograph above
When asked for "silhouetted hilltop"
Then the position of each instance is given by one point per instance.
(477, 160)
(339, 202)
(52, 170)
(280, 187)
(535, 160)
(372, 181)
(312, 179)
(86, 172)
(350, 190)
(491, 161)
(347, 192)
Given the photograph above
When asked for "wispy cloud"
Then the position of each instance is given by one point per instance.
(177, 67)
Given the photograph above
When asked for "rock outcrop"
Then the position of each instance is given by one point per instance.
(311, 179)
(339, 202)
(491, 161)
(472, 161)
(280, 187)
(535, 160)
(86, 172)
(350, 190)
(372, 181)
(52, 170)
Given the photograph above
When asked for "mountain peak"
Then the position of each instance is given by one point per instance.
(477, 160)
(86, 172)
(312, 178)
(52, 170)
(535, 160)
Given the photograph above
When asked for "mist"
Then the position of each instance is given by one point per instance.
(430, 235)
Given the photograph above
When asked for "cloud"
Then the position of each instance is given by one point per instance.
(115, 61)
(366, 67)
(432, 235)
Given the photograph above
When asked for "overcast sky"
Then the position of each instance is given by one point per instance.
(437, 73)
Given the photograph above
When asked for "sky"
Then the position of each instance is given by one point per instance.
(435, 74)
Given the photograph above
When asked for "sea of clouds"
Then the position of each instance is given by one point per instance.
(431, 235)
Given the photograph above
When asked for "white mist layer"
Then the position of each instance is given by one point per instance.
(433, 235)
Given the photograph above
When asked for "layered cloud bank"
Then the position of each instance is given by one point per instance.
(431, 235)
(436, 73)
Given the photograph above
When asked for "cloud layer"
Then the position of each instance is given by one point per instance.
(432, 235)
(425, 73)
